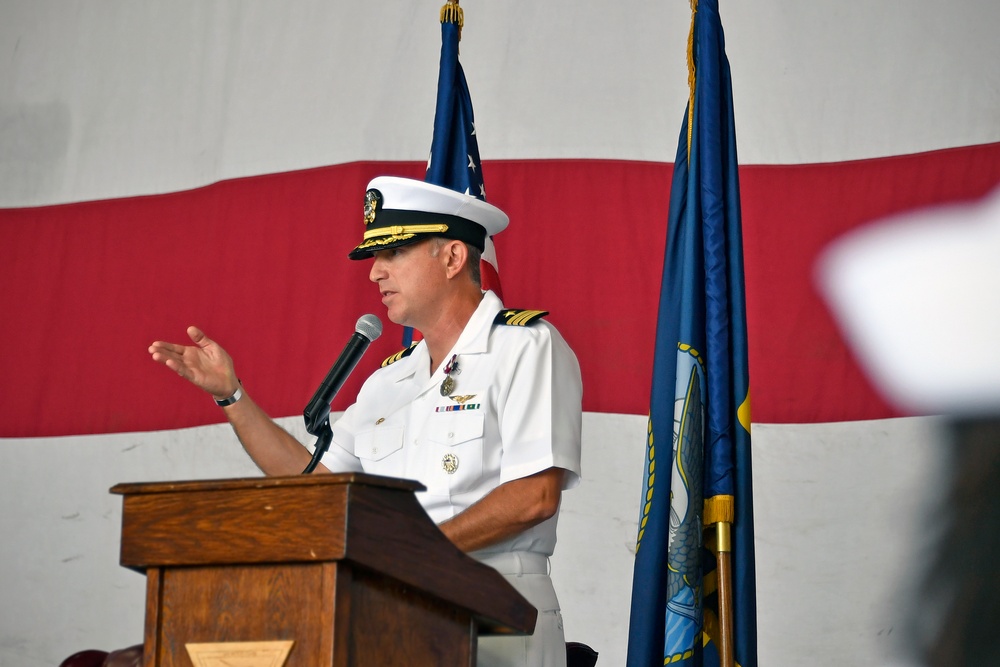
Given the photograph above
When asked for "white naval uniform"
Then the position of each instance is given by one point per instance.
(515, 410)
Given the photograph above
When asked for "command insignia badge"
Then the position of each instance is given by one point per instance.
(373, 200)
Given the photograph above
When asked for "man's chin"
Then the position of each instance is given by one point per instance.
(396, 317)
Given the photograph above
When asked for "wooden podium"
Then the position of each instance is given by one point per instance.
(348, 570)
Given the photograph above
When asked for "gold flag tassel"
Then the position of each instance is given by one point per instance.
(452, 13)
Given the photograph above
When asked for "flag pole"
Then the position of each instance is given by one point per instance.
(724, 563)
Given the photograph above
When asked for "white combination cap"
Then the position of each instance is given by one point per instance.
(399, 211)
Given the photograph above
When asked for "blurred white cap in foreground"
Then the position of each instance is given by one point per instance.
(918, 298)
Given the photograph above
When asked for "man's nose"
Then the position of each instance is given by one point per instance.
(378, 270)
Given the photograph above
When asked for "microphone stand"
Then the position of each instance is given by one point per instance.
(323, 440)
(322, 444)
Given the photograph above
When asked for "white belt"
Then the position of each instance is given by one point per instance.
(516, 562)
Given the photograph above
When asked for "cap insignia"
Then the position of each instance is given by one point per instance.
(373, 202)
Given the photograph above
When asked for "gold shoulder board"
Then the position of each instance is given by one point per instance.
(516, 317)
(405, 352)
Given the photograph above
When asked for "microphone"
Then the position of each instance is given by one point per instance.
(317, 412)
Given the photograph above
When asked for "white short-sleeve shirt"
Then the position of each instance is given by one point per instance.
(515, 410)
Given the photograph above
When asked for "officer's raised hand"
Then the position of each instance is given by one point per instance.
(205, 364)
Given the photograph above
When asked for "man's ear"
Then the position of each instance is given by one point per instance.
(456, 255)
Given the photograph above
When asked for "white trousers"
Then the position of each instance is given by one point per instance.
(546, 647)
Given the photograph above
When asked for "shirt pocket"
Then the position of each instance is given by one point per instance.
(380, 451)
(455, 443)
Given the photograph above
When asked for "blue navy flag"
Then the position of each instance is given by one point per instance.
(698, 437)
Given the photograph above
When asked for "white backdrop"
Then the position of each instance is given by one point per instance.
(107, 98)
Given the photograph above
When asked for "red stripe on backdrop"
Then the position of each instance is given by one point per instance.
(260, 264)
(800, 369)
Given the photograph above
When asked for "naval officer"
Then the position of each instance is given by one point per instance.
(485, 411)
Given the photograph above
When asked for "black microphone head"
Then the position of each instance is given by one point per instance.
(369, 326)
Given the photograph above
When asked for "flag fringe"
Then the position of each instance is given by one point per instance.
(719, 508)
(452, 13)
(691, 76)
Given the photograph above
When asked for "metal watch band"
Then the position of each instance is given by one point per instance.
(237, 395)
